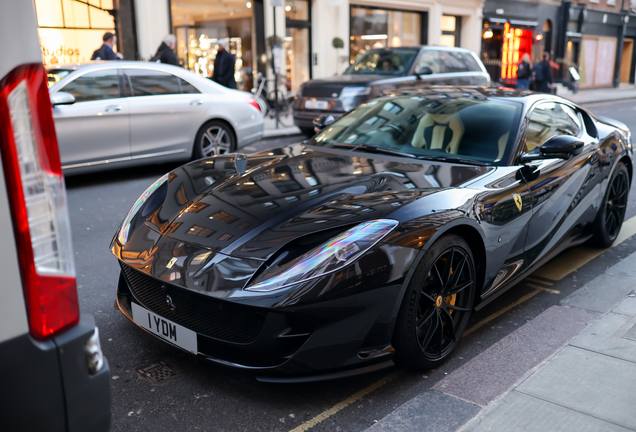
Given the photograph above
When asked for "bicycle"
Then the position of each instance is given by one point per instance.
(268, 102)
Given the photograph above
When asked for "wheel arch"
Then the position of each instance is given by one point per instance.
(628, 164)
(211, 119)
(478, 249)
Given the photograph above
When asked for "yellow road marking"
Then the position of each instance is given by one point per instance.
(539, 281)
(578, 257)
(552, 291)
(356, 396)
(502, 311)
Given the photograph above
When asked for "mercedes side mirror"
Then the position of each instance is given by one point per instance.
(62, 98)
(322, 122)
(558, 146)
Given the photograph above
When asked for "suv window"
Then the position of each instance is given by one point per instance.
(94, 86)
(549, 119)
(146, 82)
(431, 59)
(394, 61)
(459, 61)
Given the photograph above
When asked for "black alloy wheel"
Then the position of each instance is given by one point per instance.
(437, 305)
(612, 212)
(215, 138)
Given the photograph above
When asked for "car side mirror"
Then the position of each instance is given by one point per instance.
(425, 71)
(62, 98)
(557, 146)
(322, 122)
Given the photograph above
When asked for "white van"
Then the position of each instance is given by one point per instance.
(53, 375)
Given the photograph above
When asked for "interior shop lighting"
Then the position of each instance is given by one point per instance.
(374, 37)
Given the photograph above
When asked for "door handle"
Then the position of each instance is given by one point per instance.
(195, 103)
(113, 108)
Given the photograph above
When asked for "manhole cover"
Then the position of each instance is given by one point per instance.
(156, 373)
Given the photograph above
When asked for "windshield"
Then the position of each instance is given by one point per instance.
(460, 128)
(55, 75)
(394, 61)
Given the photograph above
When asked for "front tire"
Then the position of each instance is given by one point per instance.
(213, 139)
(436, 306)
(609, 219)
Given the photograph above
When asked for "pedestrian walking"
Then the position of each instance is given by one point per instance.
(105, 52)
(524, 72)
(224, 66)
(165, 52)
(542, 75)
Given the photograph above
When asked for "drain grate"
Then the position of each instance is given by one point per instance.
(157, 373)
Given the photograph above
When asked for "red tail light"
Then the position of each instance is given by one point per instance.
(253, 102)
(35, 186)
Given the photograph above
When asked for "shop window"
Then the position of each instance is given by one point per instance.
(297, 44)
(516, 43)
(199, 25)
(70, 30)
(94, 86)
(152, 83)
(450, 31)
(380, 28)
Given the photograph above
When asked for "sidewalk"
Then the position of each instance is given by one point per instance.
(285, 127)
(624, 91)
(572, 368)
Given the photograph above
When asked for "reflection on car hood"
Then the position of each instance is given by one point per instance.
(290, 192)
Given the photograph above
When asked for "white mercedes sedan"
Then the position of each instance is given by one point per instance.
(121, 114)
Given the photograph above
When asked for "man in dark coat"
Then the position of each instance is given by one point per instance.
(543, 75)
(105, 52)
(165, 52)
(224, 66)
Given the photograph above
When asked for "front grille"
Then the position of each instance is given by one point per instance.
(322, 90)
(205, 315)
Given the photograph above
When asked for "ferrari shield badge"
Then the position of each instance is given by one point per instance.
(174, 260)
(518, 201)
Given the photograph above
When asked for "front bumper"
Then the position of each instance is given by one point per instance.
(299, 341)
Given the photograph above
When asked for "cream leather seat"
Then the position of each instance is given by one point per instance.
(439, 132)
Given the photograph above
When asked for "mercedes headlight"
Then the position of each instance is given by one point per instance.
(122, 237)
(338, 252)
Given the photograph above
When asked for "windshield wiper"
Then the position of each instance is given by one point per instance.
(373, 149)
(454, 159)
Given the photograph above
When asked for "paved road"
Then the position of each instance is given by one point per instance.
(208, 397)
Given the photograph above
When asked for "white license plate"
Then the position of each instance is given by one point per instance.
(317, 105)
(165, 329)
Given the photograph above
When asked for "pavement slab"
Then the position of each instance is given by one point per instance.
(606, 337)
(431, 412)
(626, 307)
(494, 371)
(587, 382)
(521, 412)
(603, 293)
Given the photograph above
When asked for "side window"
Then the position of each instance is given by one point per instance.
(430, 58)
(146, 82)
(549, 119)
(94, 86)
(186, 87)
(456, 61)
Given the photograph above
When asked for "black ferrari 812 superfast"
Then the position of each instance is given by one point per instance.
(372, 242)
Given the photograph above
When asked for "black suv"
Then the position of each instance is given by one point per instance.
(386, 69)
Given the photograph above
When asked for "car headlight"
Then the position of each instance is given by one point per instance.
(355, 91)
(338, 252)
(122, 237)
(349, 94)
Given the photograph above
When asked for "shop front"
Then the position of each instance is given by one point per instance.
(374, 27)
(199, 24)
(70, 30)
(511, 30)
